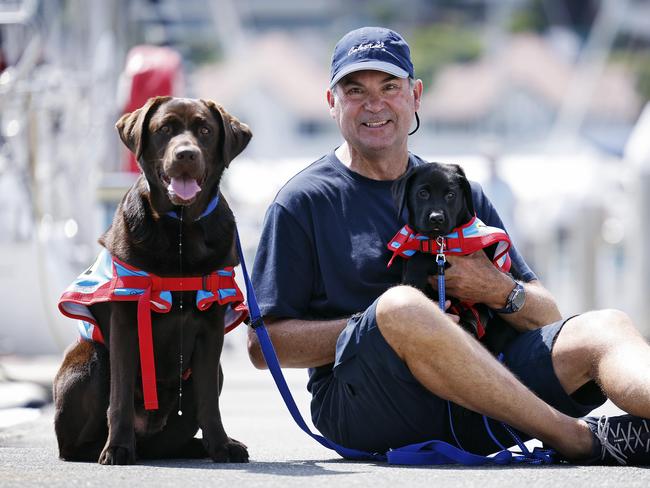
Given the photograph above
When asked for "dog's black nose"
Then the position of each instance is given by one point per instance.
(186, 153)
(436, 218)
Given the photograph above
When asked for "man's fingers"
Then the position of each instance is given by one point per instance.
(453, 317)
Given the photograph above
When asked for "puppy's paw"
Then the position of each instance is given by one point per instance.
(232, 451)
(117, 456)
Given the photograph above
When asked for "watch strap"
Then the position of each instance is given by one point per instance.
(511, 306)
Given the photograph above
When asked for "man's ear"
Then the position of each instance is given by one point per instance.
(236, 134)
(132, 127)
(465, 186)
(417, 93)
(331, 100)
(400, 191)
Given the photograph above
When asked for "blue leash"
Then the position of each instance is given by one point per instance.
(424, 453)
(274, 366)
(440, 261)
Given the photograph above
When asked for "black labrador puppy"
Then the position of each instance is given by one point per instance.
(173, 223)
(438, 199)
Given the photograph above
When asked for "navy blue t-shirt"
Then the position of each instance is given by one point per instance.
(322, 253)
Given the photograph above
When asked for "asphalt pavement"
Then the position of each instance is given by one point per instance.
(281, 455)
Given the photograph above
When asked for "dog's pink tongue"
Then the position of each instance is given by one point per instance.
(185, 188)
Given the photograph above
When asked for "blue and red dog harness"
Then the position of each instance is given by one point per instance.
(110, 279)
(463, 240)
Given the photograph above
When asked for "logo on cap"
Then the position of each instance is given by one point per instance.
(365, 47)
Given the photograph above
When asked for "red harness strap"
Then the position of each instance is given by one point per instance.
(151, 284)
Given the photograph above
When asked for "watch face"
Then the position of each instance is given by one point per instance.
(518, 298)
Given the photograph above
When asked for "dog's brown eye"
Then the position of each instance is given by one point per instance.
(204, 130)
(423, 193)
(165, 129)
(450, 195)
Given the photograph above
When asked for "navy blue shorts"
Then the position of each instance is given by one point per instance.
(371, 401)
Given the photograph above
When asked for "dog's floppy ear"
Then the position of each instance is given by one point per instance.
(132, 126)
(465, 186)
(400, 191)
(236, 134)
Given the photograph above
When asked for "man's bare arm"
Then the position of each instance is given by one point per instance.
(298, 343)
(539, 310)
(475, 279)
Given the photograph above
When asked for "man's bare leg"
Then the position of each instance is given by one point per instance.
(606, 347)
(453, 365)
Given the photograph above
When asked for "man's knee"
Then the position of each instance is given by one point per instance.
(401, 306)
(605, 326)
(585, 340)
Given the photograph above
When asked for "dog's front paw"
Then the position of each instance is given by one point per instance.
(117, 456)
(232, 451)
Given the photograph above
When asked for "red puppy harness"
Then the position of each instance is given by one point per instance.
(463, 240)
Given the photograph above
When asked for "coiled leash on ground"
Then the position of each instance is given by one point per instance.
(432, 452)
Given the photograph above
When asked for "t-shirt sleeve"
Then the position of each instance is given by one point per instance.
(489, 215)
(283, 269)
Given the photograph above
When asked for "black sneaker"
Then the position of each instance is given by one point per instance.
(620, 440)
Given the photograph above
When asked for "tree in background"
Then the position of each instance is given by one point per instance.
(436, 45)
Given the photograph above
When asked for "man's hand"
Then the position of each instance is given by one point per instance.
(473, 278)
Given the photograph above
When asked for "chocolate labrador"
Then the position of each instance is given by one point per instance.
(438, 198)
(148, 381)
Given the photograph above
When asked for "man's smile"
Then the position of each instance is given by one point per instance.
(373, 125)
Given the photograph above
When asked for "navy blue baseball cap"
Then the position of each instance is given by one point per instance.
(373, 48)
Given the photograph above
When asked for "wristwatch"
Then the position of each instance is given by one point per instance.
(515, 300)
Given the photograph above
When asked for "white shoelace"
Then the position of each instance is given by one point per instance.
(621, 440)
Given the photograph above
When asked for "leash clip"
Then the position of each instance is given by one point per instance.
(440, 256)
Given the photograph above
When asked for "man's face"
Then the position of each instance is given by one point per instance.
(374, 110)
